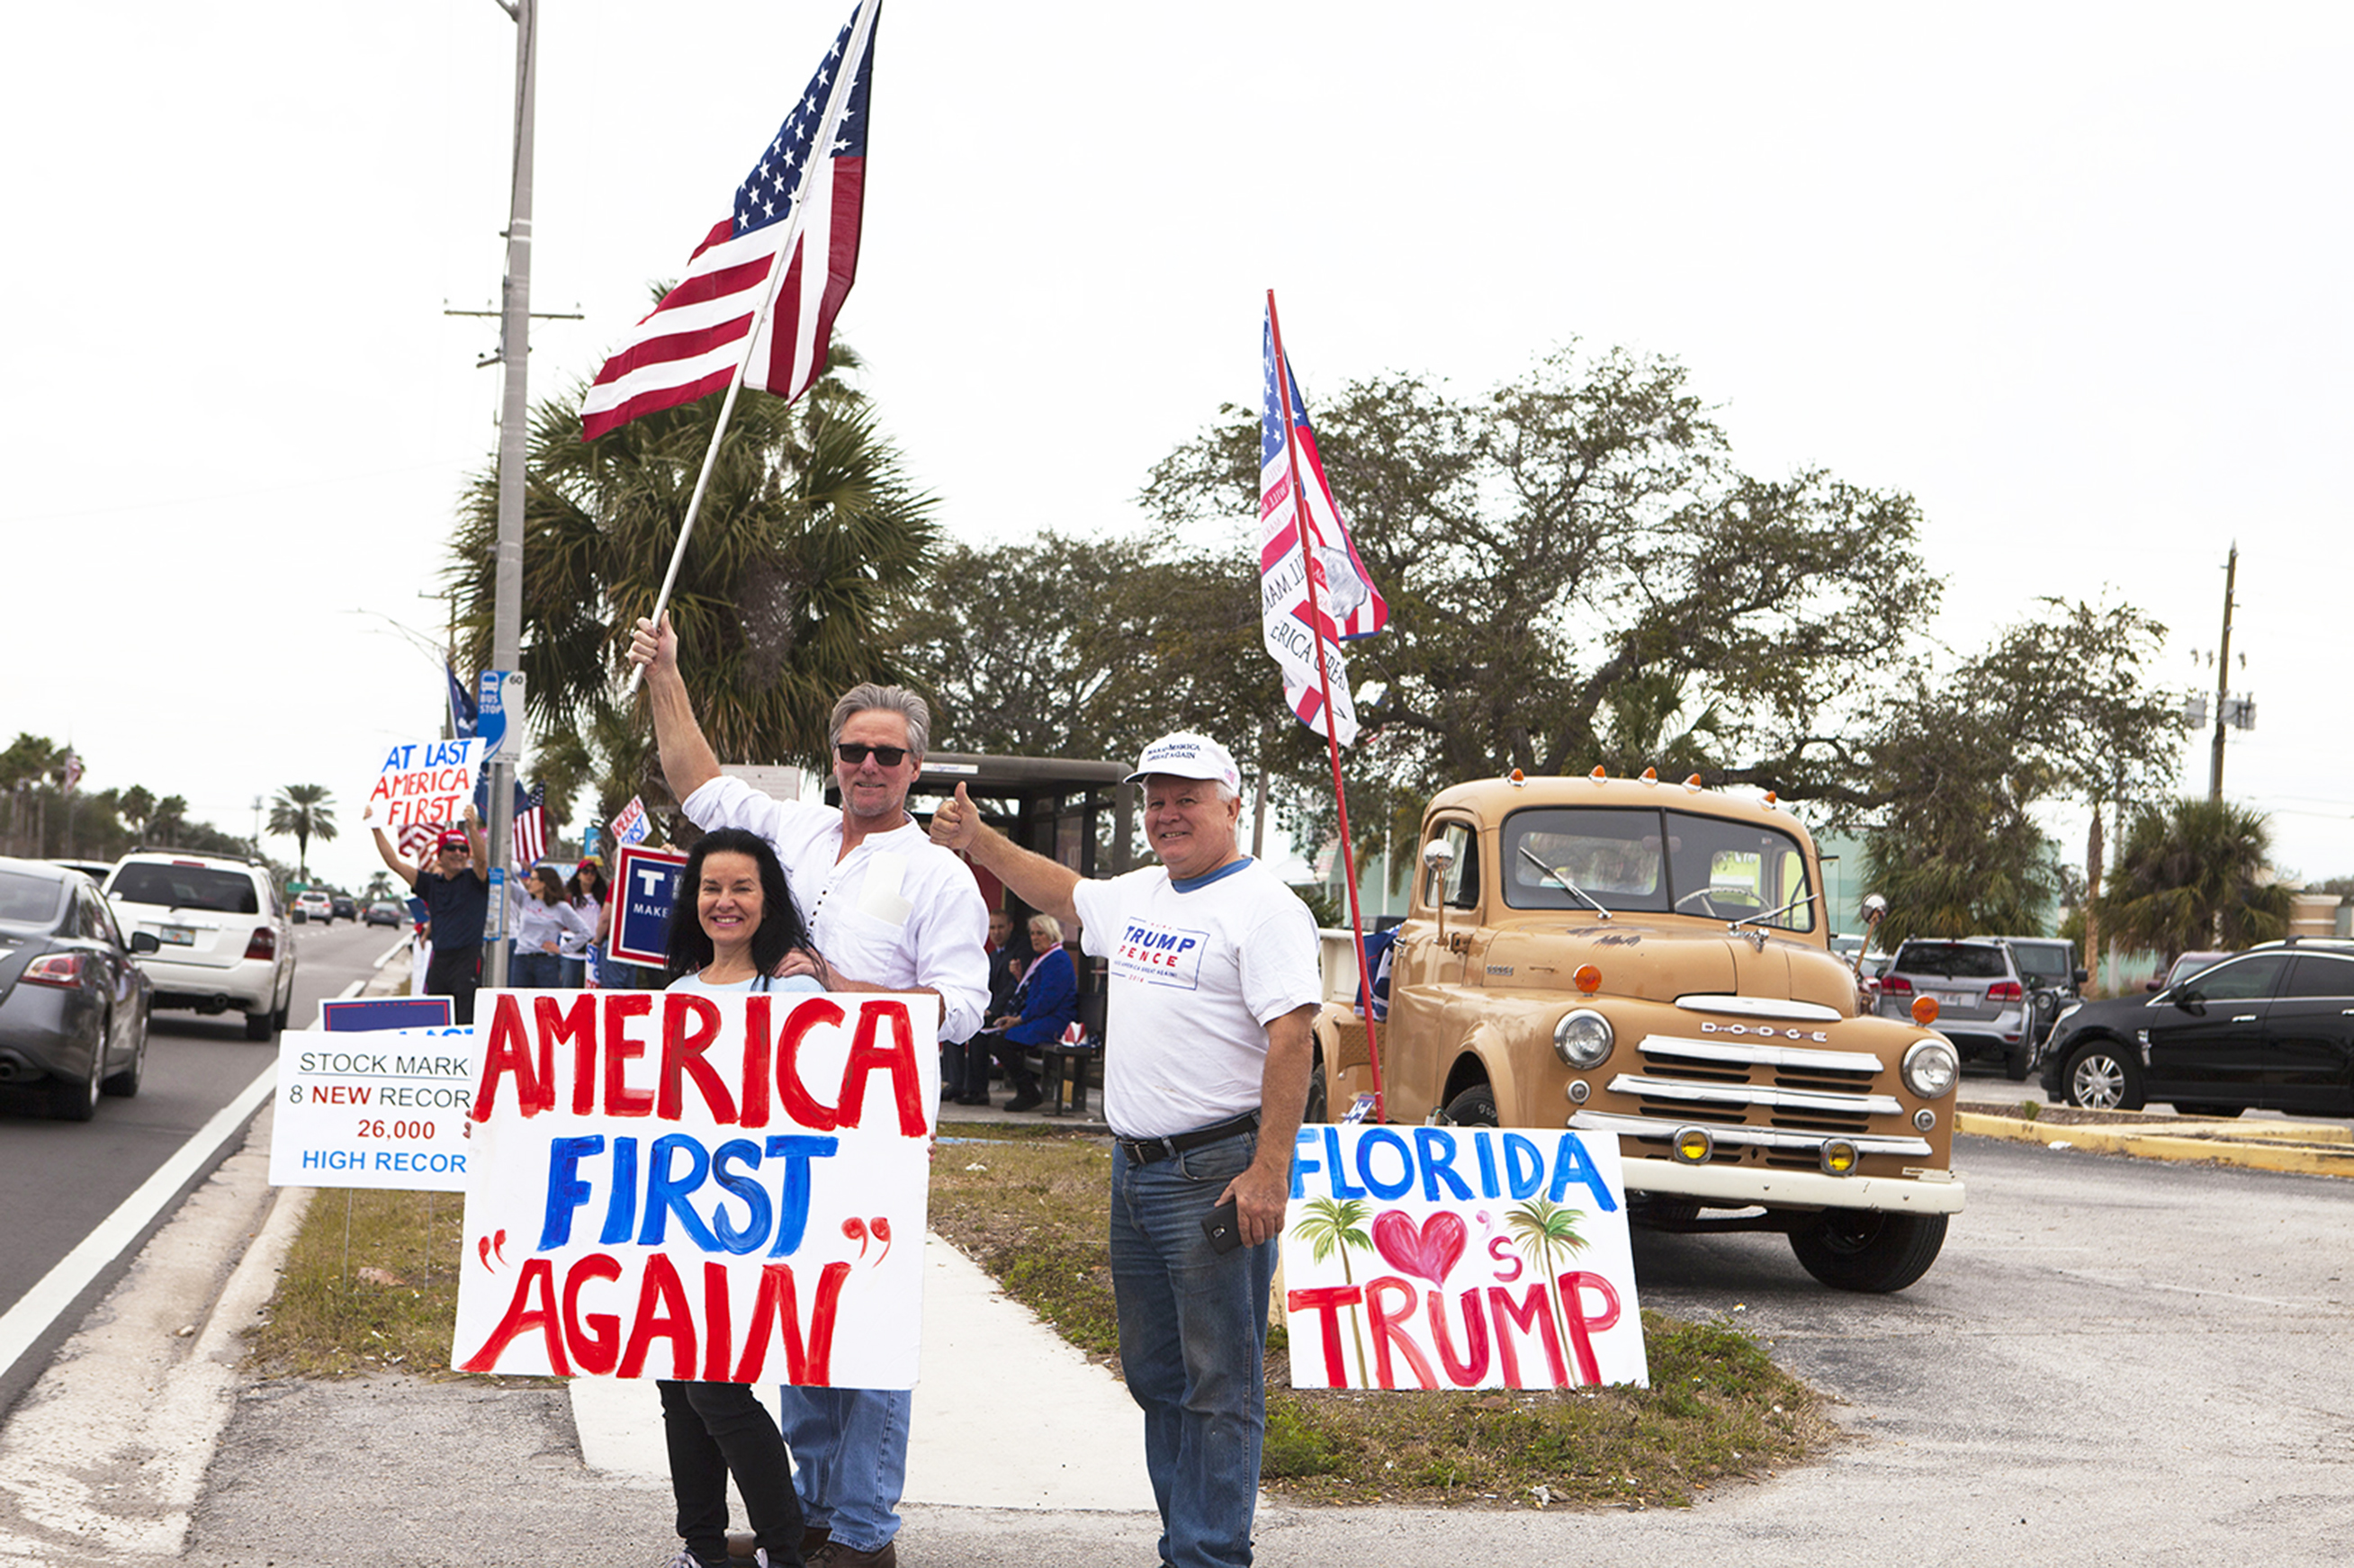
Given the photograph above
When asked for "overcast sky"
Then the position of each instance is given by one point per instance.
(2073, 276)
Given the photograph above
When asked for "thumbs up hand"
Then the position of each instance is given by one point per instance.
(956, 824)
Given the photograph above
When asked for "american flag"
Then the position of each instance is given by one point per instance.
(1347, 604)
(531, 829)
(690, 345)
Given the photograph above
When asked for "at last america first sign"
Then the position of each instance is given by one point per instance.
(726, 1187)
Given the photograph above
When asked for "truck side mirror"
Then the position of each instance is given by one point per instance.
(1437, 858)
(1875, 910)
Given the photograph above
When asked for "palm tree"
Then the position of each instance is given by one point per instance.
(807, 529)
(2190, 876)
(1545, 1227)
(307, 812)
(378, 886)
(1329, 1225)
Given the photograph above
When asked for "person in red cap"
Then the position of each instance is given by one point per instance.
(458, 899)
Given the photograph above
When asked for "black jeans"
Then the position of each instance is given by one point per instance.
(714, 1429)
(455, 973)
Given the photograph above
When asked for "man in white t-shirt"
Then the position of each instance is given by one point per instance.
(886, 910)
(1213, 985)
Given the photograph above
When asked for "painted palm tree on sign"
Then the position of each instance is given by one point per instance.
(1330, 1225)
(1543, 1228)
(306, 811)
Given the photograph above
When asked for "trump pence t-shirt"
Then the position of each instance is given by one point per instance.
(1197, 970)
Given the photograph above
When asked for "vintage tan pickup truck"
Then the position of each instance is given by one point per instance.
(1652, 961)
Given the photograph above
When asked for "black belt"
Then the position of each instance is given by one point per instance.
(1145, 1151)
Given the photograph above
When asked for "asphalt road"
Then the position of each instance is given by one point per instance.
(2114, 1361)
(62, 1179)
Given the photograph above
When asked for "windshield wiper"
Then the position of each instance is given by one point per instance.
(1561, 880)
(1769, 913)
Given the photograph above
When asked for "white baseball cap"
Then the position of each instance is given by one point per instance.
(1187, 756)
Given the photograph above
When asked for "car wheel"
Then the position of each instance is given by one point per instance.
(262, 1026)
(1475, 1106)
(2202, 1108)
(76, 1099)
(2101, 1076)
(1860, 1249)
(126, 1083)
(2015, 1064)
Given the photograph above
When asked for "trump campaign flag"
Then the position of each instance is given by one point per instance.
(1291, 504)
(691, 343)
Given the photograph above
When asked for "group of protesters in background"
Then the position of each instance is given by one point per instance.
(558, 925)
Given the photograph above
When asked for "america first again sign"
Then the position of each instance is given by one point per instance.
(725, 1189)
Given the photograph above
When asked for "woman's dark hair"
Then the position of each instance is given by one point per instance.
(588, 882)
(689, 947)
(545, 876)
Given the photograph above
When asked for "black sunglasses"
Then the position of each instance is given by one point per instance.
(854, 753)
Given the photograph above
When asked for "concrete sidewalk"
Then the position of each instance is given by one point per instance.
(1007, 1413)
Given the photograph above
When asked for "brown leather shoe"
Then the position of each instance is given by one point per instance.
(834, 1554)
(813, 1537)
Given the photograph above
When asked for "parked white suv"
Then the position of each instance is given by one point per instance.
(224, 939)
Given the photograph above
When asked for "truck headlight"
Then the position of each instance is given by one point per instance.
(1582, 1038)
(1930, 1069)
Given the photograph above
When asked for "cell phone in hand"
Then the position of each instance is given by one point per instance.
(1224, 1227)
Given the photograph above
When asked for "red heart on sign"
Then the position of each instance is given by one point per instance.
(1430, 1253)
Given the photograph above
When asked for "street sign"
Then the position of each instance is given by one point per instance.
(645, 883)
(500, 720)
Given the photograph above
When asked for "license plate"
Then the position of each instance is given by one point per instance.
(1954, 998)
(176, 936)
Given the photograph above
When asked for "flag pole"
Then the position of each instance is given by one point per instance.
(819, 145)
(1309, 568)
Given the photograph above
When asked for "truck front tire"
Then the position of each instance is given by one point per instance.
(1475, 1106)
(1864, 1249)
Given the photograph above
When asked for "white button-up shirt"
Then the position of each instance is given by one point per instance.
(898, 911)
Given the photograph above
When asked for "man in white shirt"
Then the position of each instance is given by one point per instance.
(887, 910)
(1213, 986)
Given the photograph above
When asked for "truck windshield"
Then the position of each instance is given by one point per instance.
(1654, 862)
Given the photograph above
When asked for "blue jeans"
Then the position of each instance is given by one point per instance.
(1193, 1338)
(851, 1448)
(534, 971)
(571, 974)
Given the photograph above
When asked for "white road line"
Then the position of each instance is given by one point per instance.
(33, 1314)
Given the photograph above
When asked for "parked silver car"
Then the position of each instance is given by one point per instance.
(1982, 994)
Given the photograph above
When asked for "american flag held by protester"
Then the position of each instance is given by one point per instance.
(530, 834)
(1348, 605)
(691, 343)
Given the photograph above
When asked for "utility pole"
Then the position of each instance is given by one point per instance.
(2222, 678)
(515, 414)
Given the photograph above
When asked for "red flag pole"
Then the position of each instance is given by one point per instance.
(1309, 568)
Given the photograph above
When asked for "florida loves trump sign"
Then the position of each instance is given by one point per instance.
(1436, 1257)
(724, 1188)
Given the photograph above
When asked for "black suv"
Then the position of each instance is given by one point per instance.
(2272, 1027)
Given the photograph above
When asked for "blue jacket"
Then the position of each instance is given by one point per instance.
(1049, 999)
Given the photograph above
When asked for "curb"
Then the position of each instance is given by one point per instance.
(2296, 1148)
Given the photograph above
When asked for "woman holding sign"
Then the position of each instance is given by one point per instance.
(740, 926)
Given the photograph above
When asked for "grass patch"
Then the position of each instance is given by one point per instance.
(1030, 1210)
(370, 1284)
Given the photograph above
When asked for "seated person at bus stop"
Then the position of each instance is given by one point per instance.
(1045, 1002)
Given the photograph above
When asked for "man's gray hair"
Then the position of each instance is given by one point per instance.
(868, 697)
